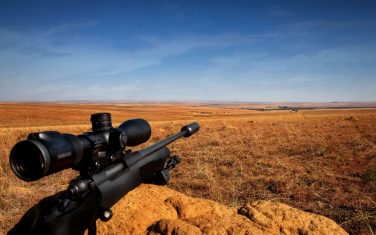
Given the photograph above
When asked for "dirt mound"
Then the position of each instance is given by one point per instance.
(151, 209)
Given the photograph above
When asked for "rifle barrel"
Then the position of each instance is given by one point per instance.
(186, 131)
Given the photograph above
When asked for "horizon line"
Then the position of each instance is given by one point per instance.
(178, 101)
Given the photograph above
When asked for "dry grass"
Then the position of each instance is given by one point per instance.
(319, 161)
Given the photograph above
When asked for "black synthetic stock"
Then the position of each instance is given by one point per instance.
(46, 218)
(116, 181)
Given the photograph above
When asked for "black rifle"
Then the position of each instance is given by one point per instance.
(108, 171)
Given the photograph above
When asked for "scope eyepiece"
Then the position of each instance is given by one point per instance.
(45, 153)
(29, 160)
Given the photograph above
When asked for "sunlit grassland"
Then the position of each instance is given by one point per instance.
(321, 161)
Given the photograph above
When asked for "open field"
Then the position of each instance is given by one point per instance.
(322, 161)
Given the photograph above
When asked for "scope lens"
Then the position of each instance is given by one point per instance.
(28, 160)
(137, 131)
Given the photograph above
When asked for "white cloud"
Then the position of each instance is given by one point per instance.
(32, 66)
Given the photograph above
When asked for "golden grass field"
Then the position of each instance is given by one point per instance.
(321, 161)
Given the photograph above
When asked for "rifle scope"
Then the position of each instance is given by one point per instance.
(47, 152)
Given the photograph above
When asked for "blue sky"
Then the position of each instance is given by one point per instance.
(271, 51)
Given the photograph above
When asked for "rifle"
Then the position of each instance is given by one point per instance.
(108, 171)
